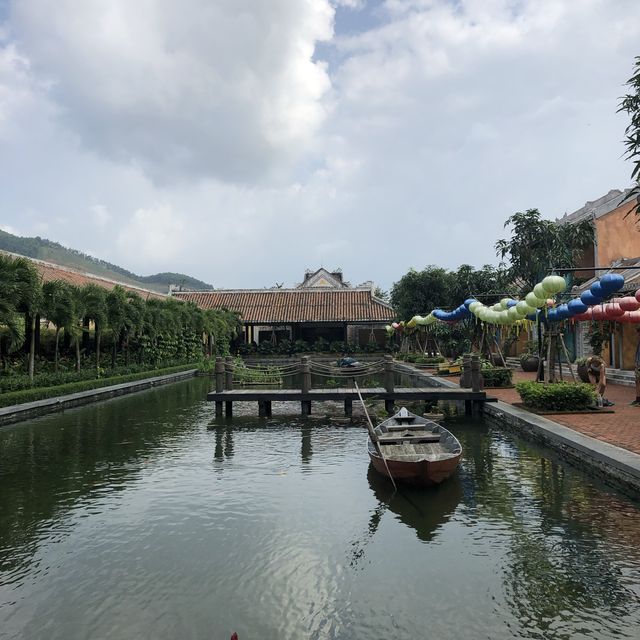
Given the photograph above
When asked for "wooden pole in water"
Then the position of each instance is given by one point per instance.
(373, 436)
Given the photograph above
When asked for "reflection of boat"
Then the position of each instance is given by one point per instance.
(423, 511)
(416, 450)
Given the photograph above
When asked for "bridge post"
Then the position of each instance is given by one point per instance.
(388, 373)
(228, 371)
(476, 376)
(465, 378)
(306, 384)
(219, 370)
(348, 408)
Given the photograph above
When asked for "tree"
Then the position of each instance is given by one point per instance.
(27, 294)
(93, 301)
(419, 292)
(116, 313)
(536, 245)
(631, 104)
(12, 292)
(58, 308)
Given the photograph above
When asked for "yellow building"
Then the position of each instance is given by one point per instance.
(616, 243)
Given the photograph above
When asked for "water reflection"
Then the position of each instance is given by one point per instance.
(130, 493)
(425, 511)
(224, 442)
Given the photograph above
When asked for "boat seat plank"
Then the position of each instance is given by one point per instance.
(435, 437)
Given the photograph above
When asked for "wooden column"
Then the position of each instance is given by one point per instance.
(465, 378)
(476, 376)
(388, 373)
(348, 408)
(228, 371)
(306, 385)
(262, 408)
(219, 371)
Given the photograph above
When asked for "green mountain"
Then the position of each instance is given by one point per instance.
(44, 249)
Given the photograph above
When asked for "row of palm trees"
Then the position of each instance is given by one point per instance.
(159, 329)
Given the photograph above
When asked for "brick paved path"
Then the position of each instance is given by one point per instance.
(621, 428)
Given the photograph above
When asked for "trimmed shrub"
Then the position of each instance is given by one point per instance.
(31, 395)
(558, 396)
(497, 377)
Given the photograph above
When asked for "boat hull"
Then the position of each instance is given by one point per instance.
(424, 473)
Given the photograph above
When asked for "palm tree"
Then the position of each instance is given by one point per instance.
(76, 327)
(57, 307)
(116, 308)
(93, 297)
(11, 295)
(134, 320)
(23, 287)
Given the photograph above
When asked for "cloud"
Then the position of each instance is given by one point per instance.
(186, 91)
(220, 144)
(100, 215)
(151, 233)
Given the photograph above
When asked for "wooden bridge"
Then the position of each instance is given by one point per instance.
(225, 395)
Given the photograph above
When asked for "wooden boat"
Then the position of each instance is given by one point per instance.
(416, 450)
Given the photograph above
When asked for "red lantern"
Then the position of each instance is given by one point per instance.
(629, 304)
(613, 310)
(598, 313)
(638, 295)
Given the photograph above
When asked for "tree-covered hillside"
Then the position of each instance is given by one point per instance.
(44, 249)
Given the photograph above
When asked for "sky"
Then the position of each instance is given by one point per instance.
(243, 142)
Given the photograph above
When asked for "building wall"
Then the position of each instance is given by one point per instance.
(618, 235)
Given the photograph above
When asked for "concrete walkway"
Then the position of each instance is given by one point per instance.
(621, 428)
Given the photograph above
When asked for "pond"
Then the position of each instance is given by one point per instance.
(144, 517)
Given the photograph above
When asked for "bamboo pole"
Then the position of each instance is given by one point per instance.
(373, 436)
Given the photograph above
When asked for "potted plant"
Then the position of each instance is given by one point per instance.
(529, 359)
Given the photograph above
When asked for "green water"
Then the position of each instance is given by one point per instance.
(142, 517)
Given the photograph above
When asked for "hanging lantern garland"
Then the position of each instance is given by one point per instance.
(589, 306)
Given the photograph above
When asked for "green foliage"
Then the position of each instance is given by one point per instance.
(497, 376)
(31, 395)
(537, 245)
(631, 104)
(263, 375)
(420, 291)
(598, 335)
(559, 396)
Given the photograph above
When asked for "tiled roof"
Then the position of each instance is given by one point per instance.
(597, 208)
(631, 276)
(283, 306)
(50, 271)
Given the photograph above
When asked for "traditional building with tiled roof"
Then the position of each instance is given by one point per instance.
(307, 312)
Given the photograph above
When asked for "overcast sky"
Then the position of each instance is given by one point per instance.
(244, 141)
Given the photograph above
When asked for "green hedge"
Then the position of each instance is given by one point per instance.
(558, 396)
(31, 395)
(497, 377)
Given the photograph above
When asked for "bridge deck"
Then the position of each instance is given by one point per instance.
(399, 393)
